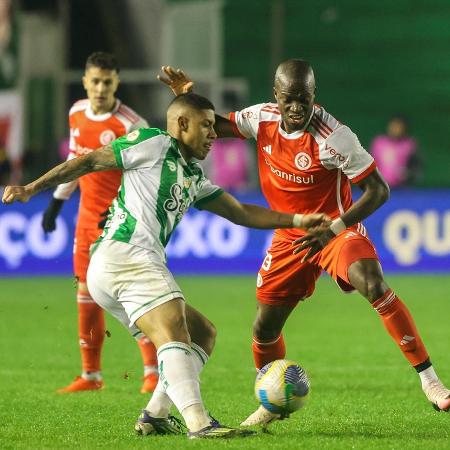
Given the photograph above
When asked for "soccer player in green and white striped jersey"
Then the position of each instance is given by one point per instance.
(128, 275)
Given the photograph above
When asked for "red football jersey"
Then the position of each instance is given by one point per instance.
(88, 132)
(305, 171)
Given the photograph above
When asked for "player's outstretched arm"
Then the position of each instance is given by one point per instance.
(254, 216)
(102, 159)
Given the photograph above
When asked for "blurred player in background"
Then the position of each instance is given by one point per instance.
(128, 274)
(307, 161)
(396, 154)
(96, 121)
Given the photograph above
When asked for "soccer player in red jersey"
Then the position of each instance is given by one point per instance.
(95, 122)
(307, 162)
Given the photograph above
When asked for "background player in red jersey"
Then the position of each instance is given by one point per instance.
(95, 122)
(307, 161)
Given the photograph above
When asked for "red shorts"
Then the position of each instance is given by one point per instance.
(84, 238)
(284, 280)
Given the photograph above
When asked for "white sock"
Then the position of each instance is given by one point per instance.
(200, 357)
(179, 377)
(160, 403)
(427, 376)
(92, 376)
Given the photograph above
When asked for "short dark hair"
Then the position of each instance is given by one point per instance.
(102, 60)
(194, 100)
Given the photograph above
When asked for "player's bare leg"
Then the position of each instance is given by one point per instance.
(268, 345)
(367, 277)
(166, 326)
(203, 338)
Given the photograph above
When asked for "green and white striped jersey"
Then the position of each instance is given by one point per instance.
(157, 188)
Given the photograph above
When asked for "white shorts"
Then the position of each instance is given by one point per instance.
(128, 281)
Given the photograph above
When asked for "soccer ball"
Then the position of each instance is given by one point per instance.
(282, 387)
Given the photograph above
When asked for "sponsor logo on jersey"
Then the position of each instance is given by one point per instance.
(268, 149)
(303, 161)
(249, 115)
(172, 166)
(290, 176)
(333, 152)
(133, 135)
(107, 136)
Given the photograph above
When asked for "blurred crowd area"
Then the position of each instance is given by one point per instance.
(381, 67)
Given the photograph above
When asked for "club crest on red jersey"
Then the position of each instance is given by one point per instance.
(107, 136)
(303, 161)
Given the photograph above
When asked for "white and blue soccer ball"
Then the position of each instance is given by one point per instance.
(282, 387)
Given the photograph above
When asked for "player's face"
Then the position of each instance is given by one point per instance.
(101, 86)
(199, 134)
(295, 102)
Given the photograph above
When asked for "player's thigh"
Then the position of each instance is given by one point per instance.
(100, 287)
(135, 277)
(282, 279)
(350, 250)
(84, 238)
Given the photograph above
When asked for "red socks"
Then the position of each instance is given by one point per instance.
(148, 352)
(400, 325)
(266, 352)
(91, 330)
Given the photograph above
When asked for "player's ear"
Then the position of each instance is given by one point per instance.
(183, 123)
(85, 81)
(275, 92)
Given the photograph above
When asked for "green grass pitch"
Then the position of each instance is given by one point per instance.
(364, 394)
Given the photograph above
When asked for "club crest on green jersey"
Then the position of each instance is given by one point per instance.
(133, 135)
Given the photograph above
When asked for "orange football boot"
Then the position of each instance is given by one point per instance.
(81, 384)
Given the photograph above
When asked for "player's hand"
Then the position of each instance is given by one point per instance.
(176, 79)
(50, 214)
(104, 218)
(315, 220)
(13, 194)
(316, 239)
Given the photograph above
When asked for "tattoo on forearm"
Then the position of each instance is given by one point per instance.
(75, 168)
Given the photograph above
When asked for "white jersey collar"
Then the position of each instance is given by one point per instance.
(101, 117)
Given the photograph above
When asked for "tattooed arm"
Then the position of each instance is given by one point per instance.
(102, 159)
